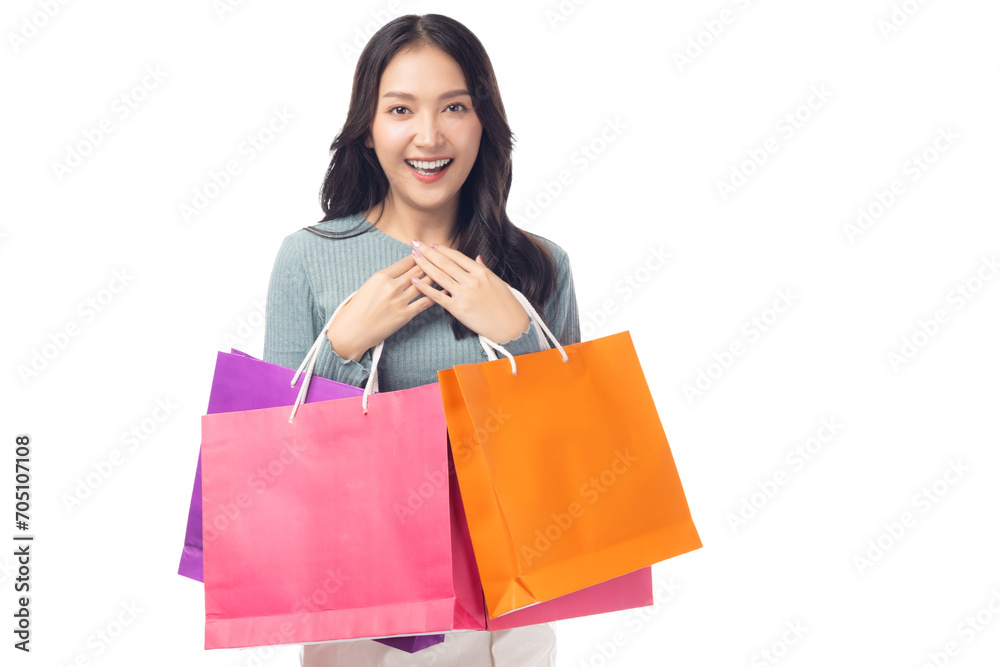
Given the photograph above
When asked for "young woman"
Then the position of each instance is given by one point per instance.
(415, 221)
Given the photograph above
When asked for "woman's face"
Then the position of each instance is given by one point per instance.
(424, 113)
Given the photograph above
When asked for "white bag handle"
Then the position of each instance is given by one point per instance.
(489, 346)
(309, 363)
(371, 387)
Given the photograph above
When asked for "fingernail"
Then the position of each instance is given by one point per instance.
(415, 253)
(414, 281)
(434, 245)
(416, 243)
(479, 258)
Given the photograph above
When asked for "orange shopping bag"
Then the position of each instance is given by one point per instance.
(566, 475)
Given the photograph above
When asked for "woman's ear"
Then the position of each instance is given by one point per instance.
(368, 140)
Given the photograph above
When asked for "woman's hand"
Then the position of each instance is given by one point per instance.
(476, 296)
(380, 307)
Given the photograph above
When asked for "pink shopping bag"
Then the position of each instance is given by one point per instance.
(625, 592)
(315, 549)
(241, 382)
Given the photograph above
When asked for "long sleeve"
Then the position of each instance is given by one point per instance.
(313, 275)
(560, 314)
(293, 321)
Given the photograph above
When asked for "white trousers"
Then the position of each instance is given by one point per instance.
(531, 646)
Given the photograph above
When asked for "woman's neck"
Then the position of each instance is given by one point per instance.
(408, 224)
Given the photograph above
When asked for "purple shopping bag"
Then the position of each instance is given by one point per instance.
(242, 382)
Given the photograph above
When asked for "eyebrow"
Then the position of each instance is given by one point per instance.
(408, 96)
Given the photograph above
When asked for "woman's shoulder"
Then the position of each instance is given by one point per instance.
(317, 230)
(558, 253)
(316, 238)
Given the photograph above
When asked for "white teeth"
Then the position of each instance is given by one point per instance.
(421, 164)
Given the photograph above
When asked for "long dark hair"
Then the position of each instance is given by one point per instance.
(355, 182)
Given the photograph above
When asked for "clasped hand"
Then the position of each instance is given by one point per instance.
(476, 296)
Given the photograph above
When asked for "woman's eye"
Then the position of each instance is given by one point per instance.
(393, 111)
(457, 104)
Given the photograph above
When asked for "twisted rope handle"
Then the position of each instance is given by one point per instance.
(489, 346)
(309, 364)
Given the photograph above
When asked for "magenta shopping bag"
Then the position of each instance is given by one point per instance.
(242, 382)
(349, 566)
(355, 556)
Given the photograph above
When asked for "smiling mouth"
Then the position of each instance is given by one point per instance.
(425, 168)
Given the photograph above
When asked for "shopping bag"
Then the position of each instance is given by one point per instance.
(565, 471)
(241, 382)
(317, 550)
(412, 644)
(629, 591)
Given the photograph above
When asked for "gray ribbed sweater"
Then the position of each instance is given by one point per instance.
(313, 275)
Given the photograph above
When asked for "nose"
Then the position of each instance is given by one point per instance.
(428, 130)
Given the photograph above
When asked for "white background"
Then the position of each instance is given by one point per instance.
(194, 287)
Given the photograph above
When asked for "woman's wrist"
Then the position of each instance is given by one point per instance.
(344, 350)
(512, 334)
